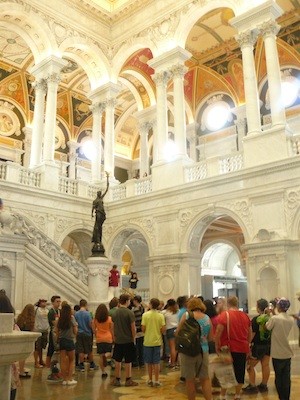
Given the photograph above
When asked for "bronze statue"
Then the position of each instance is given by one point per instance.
(98, 210)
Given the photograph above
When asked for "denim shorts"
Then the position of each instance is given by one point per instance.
(170, 333)
(66, 344)
(152, 354)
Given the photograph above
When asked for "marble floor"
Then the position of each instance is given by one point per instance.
(91, 386)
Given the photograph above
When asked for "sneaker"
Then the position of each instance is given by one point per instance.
(182, 379)
(250, 389)
(150, 383)
(130, 382)
(262, 388)
(93, 366)
(156, 384)
(104, 375)
(64, 383)
(72, 382)
(81, 367)
(116, 382)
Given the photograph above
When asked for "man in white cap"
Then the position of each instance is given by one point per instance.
(281, 352)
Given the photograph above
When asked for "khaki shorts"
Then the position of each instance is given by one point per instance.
(194, 367)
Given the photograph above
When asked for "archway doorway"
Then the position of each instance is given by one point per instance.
(130, 252)
(78, 244)
(222, 267)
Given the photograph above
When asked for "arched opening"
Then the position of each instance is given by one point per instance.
(130, 252)
(78, 244)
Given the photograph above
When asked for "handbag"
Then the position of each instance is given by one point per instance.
(225, 354)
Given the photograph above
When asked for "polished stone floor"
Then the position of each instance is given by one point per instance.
(91, 386)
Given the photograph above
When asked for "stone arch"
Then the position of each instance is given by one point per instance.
(126, 50)
(89, 57)
(200, 222)
(31, 27)
(121, 236)
(195, 12)
(132, 239)
(228, 242)
(133, 90)
(145, 83)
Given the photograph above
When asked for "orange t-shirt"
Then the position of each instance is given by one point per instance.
(103, 331)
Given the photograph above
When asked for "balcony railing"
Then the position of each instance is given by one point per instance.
(231, 163)
(68, 186)
(29, 177)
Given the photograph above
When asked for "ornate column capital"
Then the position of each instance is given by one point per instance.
(161, 78)
(269, 28)
(246, 38)
(97, 107)
(145, 127)
(53, 78)
(178, 70)
(110, 102)
(39, 85)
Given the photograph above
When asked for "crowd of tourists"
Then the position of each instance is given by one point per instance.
(135, 334)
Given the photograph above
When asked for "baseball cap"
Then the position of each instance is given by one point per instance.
(283, 304)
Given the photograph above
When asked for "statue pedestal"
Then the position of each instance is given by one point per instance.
(14, 346)
(99, 268)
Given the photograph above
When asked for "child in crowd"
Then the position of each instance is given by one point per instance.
(103, 329)
(153, 325)
(66, 331)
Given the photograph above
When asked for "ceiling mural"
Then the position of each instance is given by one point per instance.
(13, 48)
(215, 65)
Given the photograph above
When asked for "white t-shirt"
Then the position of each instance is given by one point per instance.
(281, 326)
(41, 319)
(171, 319)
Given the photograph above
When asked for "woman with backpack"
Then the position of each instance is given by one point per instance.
(260, 349)
(197, 366)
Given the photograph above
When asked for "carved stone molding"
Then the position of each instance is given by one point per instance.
(269, 28)
(165, 276)
(247, 38)
(161, 78)
(291, 205)
(50, 248)
(241, 208)
(102, 272)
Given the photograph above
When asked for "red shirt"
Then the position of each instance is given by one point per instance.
(239, 325)
(114, 278)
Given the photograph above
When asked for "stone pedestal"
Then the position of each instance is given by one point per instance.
(14, 346)
(268, 146)
(99, 268)
(169, 174)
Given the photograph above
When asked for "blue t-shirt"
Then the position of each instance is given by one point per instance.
(84, 319)
(205, 329)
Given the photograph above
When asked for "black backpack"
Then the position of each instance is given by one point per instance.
(188, 338)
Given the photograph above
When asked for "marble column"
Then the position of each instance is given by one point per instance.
(40, 88)
(109, 161)
(246, 41)
(269, 30)
(161, 137)
(178, 71)
(52, 81)
(73, 146)
(97, 110)
(144, 149)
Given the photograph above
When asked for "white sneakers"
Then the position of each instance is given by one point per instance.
(69, 383)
